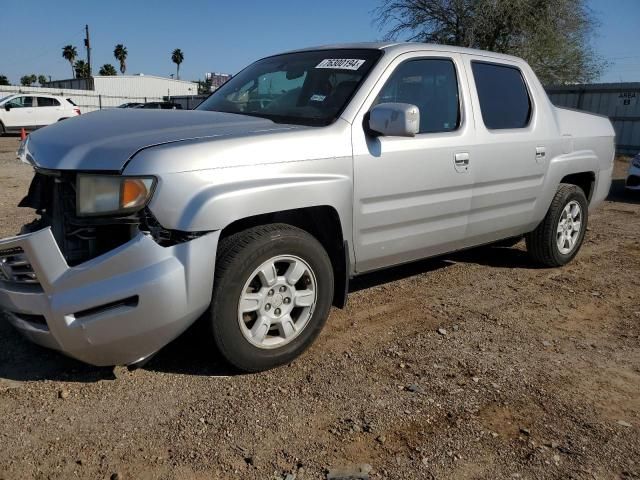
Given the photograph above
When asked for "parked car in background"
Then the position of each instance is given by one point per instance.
(131, 105)
(31, 111)
(304, 170)
(160, 106)
(633, 176)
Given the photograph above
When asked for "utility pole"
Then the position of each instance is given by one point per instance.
(87, 44)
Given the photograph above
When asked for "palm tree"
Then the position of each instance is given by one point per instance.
(120, 52)
(28, 80)
(107, 69)
(82, 69)
(42, 79)
(70, 53)
(177, 57)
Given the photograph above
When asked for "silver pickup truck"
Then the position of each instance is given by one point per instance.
(306, 169)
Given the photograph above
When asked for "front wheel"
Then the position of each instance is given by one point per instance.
(272, 294)
(560, 235)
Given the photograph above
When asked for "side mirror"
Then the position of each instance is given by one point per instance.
(395, 119)
(7, 107)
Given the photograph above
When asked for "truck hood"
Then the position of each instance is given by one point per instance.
(108, 139)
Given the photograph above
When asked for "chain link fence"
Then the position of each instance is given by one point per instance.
(89, 101)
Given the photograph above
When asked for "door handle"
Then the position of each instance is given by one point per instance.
(462, 159)
(461, 162)
(541, 153)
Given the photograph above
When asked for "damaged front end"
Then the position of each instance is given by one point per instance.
(53, 195)
(106, 289)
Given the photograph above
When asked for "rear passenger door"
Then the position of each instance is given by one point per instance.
(412, 194)
(511, 155)
(48, 110)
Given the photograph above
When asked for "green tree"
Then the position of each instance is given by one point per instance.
(107, 69)
(42, 79)
(82, 69)
(4, 80)
(177, 57)
(120, 52)
(28, 80)
(204, 86)
(554, 36)
(70, 53)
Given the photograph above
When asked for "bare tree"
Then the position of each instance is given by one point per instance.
(554, 36)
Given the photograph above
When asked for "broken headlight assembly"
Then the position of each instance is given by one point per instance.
(112, 194)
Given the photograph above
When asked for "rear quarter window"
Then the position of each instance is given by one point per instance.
(48, 102)
(504, 98)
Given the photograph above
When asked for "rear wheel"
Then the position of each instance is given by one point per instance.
(272, 294)
(560, 235)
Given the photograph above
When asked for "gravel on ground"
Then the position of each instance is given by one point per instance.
(475, 365)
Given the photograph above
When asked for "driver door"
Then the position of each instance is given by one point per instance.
(21, 113)
(412, 195)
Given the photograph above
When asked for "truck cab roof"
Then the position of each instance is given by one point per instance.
(404, 47)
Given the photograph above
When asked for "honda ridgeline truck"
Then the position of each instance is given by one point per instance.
(306, 169)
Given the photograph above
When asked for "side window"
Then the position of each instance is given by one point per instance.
(48, 102)
(431, 85)
(21, 102)
(504, 99)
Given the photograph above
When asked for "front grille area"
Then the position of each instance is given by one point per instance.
(52, 194)
(15, 268)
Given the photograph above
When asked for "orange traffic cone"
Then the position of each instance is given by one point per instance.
(23, 134)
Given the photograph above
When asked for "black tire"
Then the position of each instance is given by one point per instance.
(238, 256)
(542, 244)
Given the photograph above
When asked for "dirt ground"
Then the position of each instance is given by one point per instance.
(537, 376)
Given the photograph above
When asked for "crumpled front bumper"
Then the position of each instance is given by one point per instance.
(115, 309)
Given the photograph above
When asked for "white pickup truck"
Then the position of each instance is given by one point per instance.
(304, 170)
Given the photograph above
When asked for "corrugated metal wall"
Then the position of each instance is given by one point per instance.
(619, 101)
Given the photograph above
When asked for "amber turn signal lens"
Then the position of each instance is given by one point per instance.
(134, 193)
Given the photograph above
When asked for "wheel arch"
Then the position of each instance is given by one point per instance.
(323, 223)
(584, 180)
(578, 168)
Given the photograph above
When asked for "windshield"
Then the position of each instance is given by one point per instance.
(2, 100)
(306, 88)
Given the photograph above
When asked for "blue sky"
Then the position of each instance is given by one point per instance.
(224, 36)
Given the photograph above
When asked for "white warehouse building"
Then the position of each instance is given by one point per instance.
(100, 92)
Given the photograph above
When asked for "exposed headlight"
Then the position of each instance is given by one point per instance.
(636, 162)
(111, 195)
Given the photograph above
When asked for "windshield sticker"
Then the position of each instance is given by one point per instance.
(318, 98)
(341, 63)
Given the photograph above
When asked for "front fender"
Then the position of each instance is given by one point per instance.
(211, 199)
